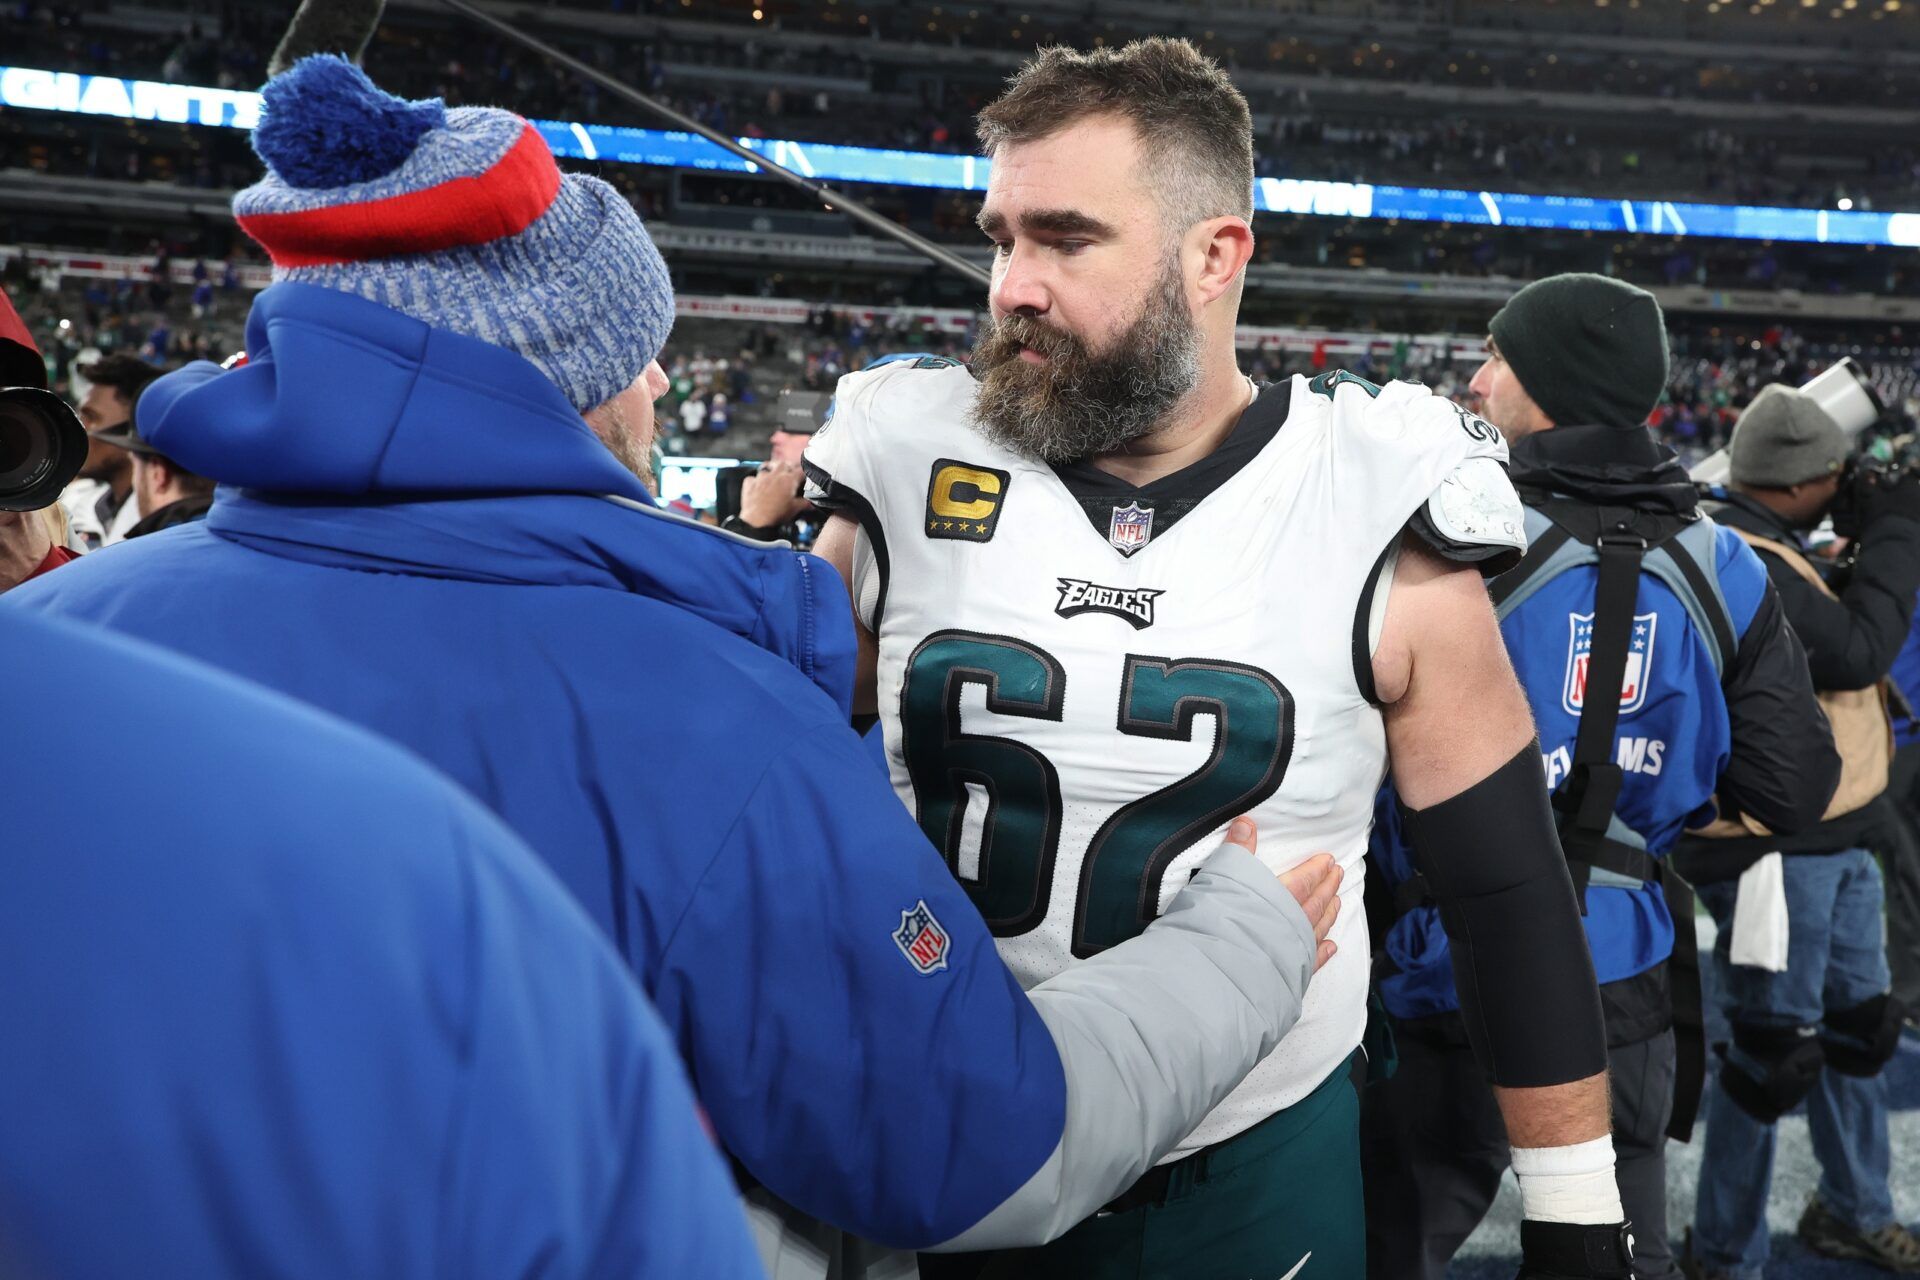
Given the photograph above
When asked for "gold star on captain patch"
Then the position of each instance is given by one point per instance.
(979, 528)
(946, 524)
(932, 525)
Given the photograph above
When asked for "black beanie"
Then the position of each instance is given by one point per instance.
(1587, 348)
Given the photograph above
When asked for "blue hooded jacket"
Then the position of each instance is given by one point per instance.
(279, 1000)
(418, 533)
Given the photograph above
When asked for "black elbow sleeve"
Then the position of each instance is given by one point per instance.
(1520, 961)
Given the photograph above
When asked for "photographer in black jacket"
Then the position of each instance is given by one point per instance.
(1811, 1014)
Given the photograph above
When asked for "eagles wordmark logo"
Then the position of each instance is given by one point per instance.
(1135, 604)
(963, 502)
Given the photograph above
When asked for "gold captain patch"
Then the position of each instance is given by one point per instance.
(964, 501)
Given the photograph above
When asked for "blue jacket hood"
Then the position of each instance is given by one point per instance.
(343, 396)
(356, 437)
(790, 604)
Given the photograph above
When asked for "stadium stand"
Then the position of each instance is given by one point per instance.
(117, 235)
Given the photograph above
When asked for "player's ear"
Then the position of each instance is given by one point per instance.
(1223, 246)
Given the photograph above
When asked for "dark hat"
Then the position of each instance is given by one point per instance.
(1783, 438)
(1588, 349)
(125, 437)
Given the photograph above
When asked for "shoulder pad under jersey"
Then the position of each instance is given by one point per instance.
(888, 406)
(1474, 516)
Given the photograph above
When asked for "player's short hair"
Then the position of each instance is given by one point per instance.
(1195, 130)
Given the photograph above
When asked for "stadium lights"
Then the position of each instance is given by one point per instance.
(108, 96)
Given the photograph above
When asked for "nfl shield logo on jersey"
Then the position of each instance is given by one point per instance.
(1633, 686)
(1131, 528)
(921, 939)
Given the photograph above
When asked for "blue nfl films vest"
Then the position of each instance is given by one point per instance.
(1695, 597)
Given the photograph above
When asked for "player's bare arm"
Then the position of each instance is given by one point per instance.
(1455, 716)
(836, 545)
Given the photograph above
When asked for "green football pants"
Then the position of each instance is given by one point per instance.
(1281, 1201)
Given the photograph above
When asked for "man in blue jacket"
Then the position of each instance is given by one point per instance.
(280, 1001)
(1659, 668)
(427, 528)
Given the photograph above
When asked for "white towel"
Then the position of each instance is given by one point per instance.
(1760, 916)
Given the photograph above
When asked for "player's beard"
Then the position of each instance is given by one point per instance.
(1081, 403)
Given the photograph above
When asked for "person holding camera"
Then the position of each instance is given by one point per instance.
(1800, 957)
(1659, 668)
(35, 426)
(772, 501)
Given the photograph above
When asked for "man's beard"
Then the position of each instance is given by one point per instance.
(609, 423)
(1081, 403)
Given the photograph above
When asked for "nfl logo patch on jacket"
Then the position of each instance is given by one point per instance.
(921, 939)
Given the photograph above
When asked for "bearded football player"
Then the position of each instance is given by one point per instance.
(1112, 594)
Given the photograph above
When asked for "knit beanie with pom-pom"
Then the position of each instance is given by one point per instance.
(459, 218)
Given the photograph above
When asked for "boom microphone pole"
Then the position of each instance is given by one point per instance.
(327, 26)
(818, 190)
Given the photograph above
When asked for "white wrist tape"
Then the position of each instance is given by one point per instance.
(1569, 1184)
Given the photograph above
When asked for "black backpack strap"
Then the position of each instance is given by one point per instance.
(1586, 803)
(1689, 1016)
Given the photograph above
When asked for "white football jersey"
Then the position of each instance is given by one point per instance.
(1078, 695)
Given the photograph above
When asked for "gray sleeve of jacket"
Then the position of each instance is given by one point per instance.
(1153, 1033)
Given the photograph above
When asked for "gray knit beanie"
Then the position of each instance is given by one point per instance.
(1783, 438)
(1588, 349)
(459, 218)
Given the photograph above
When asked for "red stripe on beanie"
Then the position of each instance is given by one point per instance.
(503, 201)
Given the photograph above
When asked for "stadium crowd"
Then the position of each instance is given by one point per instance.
(724, 376)
(769, 79)
(442, 525)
